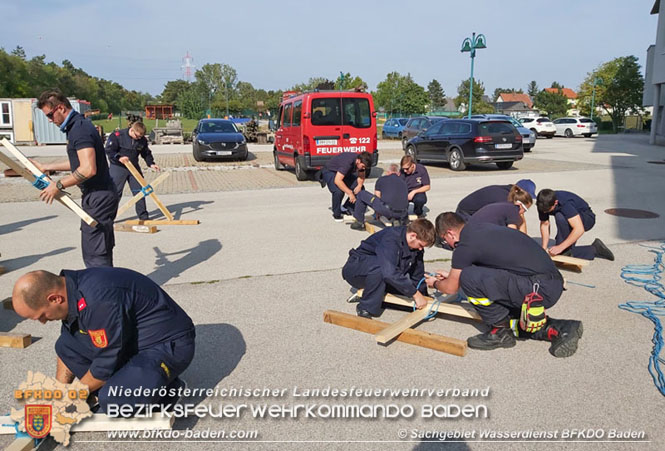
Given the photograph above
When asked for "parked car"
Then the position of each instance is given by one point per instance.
(313, 127)
(218, 139)
(575, 126)
(468, 141)
(542, 126)
(417, 125)
(393, 128)
(528, 136)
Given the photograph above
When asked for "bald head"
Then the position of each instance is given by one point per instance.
(36, 290)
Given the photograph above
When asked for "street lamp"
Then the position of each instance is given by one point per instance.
(596, 81)
(470, 45)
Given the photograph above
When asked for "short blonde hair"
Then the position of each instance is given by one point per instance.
(138, 127)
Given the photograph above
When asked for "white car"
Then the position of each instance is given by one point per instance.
(542, 126)
(575, 126)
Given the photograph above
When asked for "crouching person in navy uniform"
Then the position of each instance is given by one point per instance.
(499, 269)
(123, 146)
(389, 200)
(390, 261)
(345, 174)
(119, 329)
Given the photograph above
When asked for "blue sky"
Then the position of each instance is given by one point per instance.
(276, 44)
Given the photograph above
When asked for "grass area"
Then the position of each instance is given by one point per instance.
(110, 125)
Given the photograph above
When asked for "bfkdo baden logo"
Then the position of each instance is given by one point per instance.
(38, 420)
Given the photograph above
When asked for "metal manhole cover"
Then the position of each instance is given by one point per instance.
(656, 162)
(632, 213)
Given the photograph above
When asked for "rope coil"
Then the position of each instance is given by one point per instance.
(649, 277)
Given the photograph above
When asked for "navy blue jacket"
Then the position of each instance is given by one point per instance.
(82, 134)
(123, 312)
(120, 144)
(401, 266)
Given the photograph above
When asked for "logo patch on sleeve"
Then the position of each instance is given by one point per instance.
(81, 304)
(99, 338)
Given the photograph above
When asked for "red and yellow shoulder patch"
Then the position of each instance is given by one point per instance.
(38, 420)
(99, 338)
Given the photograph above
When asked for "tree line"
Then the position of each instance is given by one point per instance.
(25, 78)
(616, 87)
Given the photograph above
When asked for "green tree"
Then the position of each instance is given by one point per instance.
(399, 93)
(18, 51)
(172, 90)
(619, 92)
(532, 89)
(556, 85)
(554, 103)
(345, 82)
(479, 105)
(193, 102)
(437, 98)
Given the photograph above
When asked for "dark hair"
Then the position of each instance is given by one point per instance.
(518, 194)
(366, 159)
(53, 99)
(448, 221)
(546, 199)
(424, 231)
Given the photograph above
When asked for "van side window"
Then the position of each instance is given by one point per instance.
(297, 113)
(279, 117)
(326, 111)
(356, 112)
(286, 120)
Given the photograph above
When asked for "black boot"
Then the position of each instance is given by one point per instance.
(602, 251)
(563, 334)
(496, 337)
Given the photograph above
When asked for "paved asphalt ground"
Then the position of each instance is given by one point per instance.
(264, 264)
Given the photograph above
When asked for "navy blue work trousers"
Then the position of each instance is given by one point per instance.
(563, 229)
(97, 242)
(120, 176)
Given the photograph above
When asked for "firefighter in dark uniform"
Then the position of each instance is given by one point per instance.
(126, 145)
(345, 174)
(505, 275)
(389, 199)
(390, 261)
(492, 194)
(506, 214)
(573, 217)
(119, 329)
(90, 172)
(417, 180)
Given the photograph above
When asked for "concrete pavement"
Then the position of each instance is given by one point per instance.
(263, 265)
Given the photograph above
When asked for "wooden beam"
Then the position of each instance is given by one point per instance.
(8, 340)
(2, 269)
(457, 309)
(407, 321)
(414, 337)
(22, 444)
(158, 222)
(33, 173)
(137, 175)
(570, 260)
(134, 228)
(131, 202)
(369, 227)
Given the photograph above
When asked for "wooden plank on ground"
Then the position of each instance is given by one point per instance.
(8, 340)
(461, 310)
(33, 173)
(407, 321)
(570, 260)
(7, 304)
(370, 228)
(414, 337)
(2, 269)
(21, 444)
(134, 228)
(131, 202)
(158, 222)
(137, 175)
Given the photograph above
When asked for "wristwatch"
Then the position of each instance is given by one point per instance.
(58, 185)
